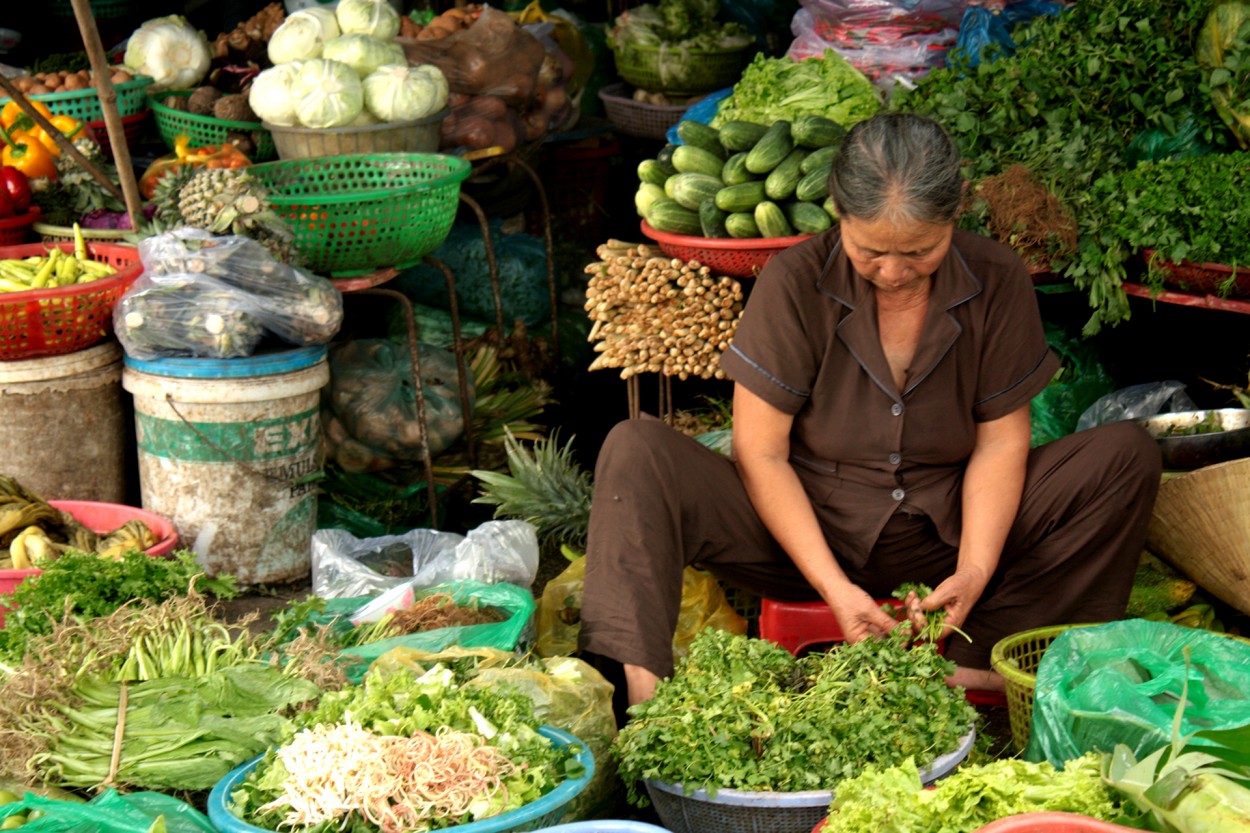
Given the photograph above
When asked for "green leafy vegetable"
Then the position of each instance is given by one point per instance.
(891, 800)
(683, 24)
(779, 89)
(742, 713)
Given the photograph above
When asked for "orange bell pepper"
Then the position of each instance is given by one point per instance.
(12, 116)
(68, 125)
(25, 153)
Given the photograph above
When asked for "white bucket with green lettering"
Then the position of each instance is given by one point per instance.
(229, 450)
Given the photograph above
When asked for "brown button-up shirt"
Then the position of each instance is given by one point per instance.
(808, 344)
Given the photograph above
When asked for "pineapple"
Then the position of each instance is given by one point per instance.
(232, 201)
(546, 487)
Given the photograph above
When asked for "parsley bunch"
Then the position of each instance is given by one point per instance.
(741, 713)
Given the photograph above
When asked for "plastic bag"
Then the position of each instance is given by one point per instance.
(981, 27)
(209, 296)
(1223, 50)
(1157, 143)
(935, 14)
(516, 603)
(1079, 382)
(1137, 402)
(873, 50)
(109, 812)
(371, 422)
(494, 56)
(703, 605)
(702, 111)
(1121, 683)
(497, 551)
(480, 121)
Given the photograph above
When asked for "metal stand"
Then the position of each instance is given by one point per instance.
(664, 404)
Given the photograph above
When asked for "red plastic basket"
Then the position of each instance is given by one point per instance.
(737, 258)
(99, 517)
(1050, 823)
(132, 125)
(49, 322)
(1208, 278)
(14, 230)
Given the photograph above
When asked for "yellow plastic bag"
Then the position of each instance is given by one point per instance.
(703, 605)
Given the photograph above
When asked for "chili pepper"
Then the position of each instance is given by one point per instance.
(13, 117)
(27, 155)
(17, 186)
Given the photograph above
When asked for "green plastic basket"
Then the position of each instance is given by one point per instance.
(84, 105)
(678, 71)
(100, 9)
(354, 214)
(207, 130)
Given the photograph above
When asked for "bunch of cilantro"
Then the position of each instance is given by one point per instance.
(779, 89)
(891, 799)
(741, 713)
(85, 586)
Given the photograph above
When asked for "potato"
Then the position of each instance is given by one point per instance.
(73, 82)
(40, 89)
(120, 76)
(53, 80)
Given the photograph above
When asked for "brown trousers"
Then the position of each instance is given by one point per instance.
(663, 501)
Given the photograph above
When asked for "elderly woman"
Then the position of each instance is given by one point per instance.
(882, 377)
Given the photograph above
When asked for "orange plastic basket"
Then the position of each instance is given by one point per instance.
(14, 230)
(48, 322)
(735, 257)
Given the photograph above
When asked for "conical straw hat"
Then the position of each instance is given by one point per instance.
(1201, 525)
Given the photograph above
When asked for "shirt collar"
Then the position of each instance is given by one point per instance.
(953, 282)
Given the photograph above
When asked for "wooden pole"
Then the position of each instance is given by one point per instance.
(108, 102)
(65, 144)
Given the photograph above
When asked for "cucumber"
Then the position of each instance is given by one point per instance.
(712, 219)
(697, 134)
(814, 131)
(741, 135)
(819, 158)
(741, 197)
(806, 217)
(771, 221)
(774, 146)
(688, 159)
(783, 179)
(665, 158)
(650, 170)
(742, 224)
(666, 215)
(829, 208)
(690, 190)
(813, 187)
(735, 170)
(647, 193)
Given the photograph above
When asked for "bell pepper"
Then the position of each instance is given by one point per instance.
(14, 183)
(224, 155)
(6, 205)
(25, 153)
(68, 125)
(13, 117)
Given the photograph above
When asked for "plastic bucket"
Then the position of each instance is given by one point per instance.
(227, 449)
(65, 424)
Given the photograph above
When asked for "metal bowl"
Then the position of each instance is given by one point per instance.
(1231, 441)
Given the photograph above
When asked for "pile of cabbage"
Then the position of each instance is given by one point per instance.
(344, 68)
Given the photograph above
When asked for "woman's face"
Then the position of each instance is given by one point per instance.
(895, 256)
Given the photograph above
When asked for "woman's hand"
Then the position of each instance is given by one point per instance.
(859, 615)
(956, 595)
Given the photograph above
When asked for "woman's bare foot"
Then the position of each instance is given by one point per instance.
(979, 679)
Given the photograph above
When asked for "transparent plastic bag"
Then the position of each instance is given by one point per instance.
(185, 314)
(297, 306)
(1137, 402)
(873, 50)
(494, 56)
(982, 26)
(373, 422)
(497, 551)
(932, 13)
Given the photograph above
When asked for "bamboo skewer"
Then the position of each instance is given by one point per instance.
(108, 102)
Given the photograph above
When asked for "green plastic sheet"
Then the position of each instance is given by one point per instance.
(111, 812)
(1122, 682)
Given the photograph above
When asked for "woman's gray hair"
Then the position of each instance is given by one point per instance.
(899, 166)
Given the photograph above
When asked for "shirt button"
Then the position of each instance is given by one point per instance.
(895, 459)
(896, 409)
(898, 494)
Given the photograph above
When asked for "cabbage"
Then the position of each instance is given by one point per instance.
(302, 35)
(270, 96)
(368, 17)
(170, 50)
(363, 53)
(326, 93)
(403, 93)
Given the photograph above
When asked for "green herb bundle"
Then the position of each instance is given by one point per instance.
(741, 713)
(1078, 90)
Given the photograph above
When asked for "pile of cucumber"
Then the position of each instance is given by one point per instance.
(743, 180)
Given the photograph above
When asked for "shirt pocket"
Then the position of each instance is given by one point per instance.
(820, 479)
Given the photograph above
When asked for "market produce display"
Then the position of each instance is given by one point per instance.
(654, 314)
(678, 46)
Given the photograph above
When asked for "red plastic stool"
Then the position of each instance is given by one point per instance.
(798, 625)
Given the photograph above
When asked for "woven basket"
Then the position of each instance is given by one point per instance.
(638, 118)
(1201, 525)
(737, 258)
(1208, 278)
(49, 233)
(1016, 657)
(417, 136)
(678, 71)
